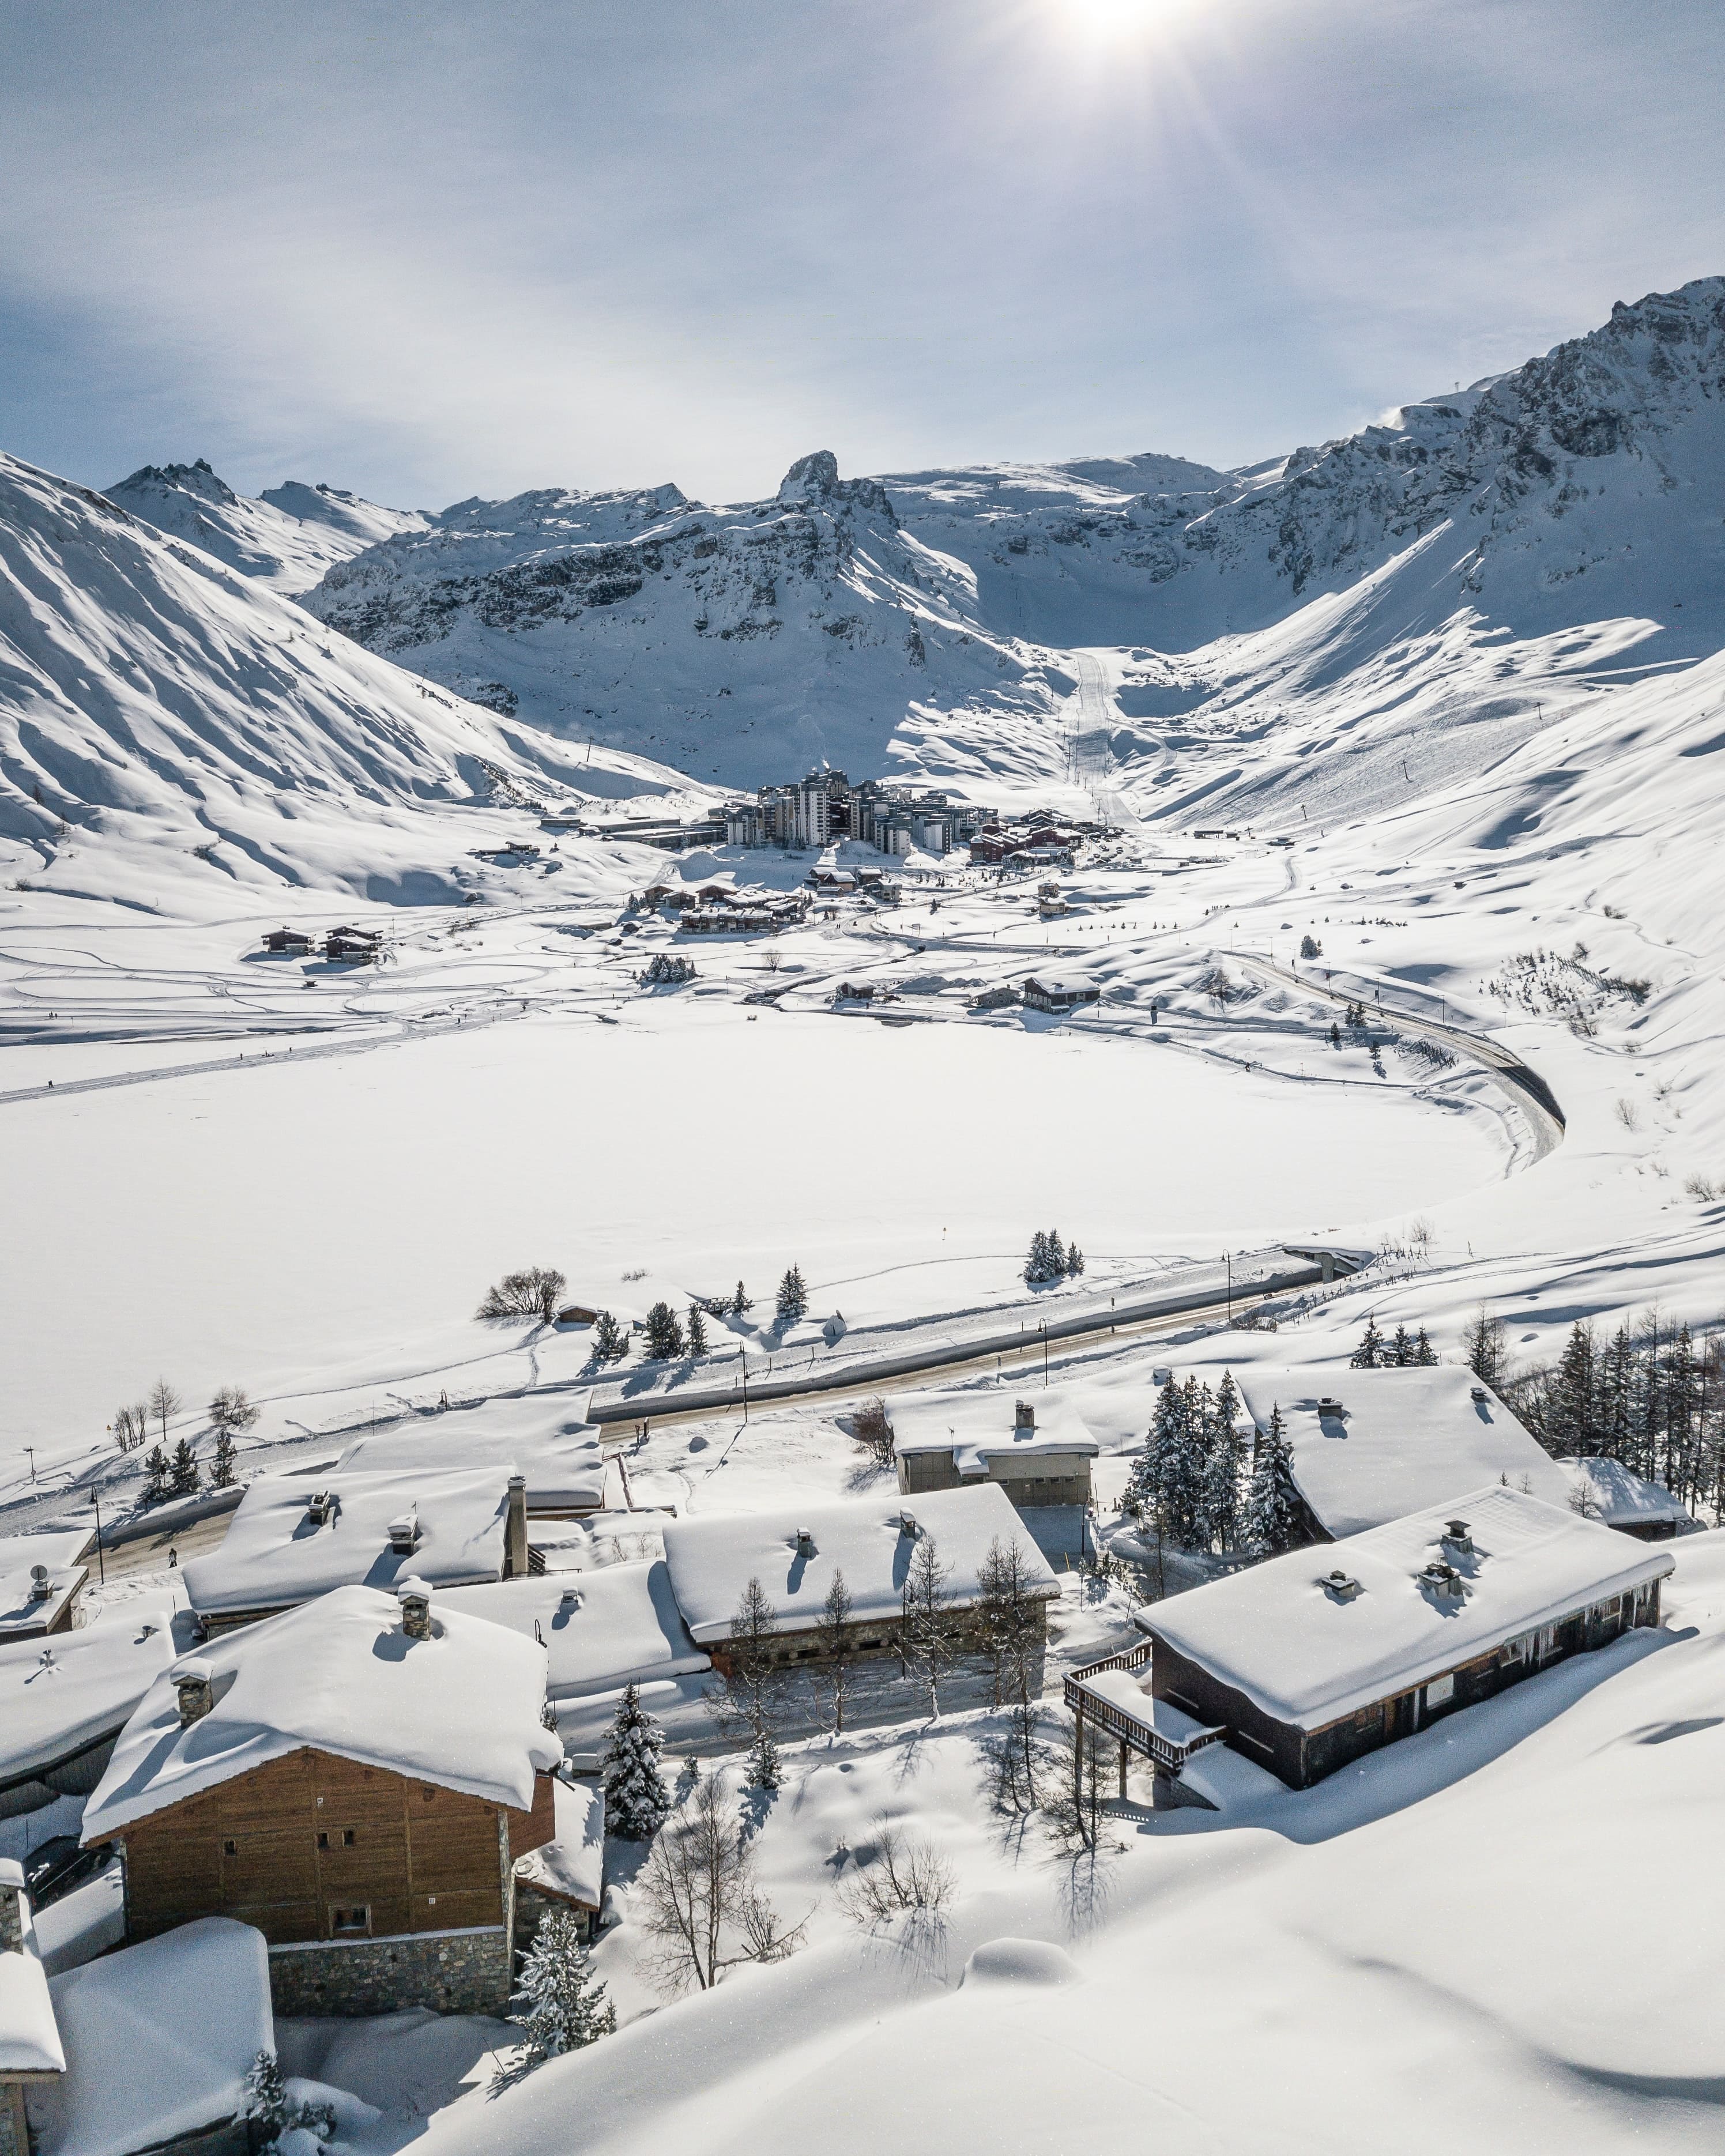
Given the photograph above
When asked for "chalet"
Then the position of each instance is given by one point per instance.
(1310, 1661)
(288, 942)
(1605, 1490)
(794, 1554)
(64, 1700)
(853, 992)
(356, 947)
(952, 1441)
(997, 999)
(199, 1998)
(615, 1625)
(41, 1581)
(564, 1469)
(1369, 1445)
(31, 2056)
(1060, 992)
(295, 1537)
(356, 1779)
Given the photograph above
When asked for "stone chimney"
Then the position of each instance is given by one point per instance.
(404, 1532)
(414, 1596)
(12, 1915)
(1024, 1418)
(195, 1683)
(515, 1533)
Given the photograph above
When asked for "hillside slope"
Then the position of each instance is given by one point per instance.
(149, 696)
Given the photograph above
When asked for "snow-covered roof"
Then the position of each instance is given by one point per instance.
(61, 1694)
(29, 2041)
(978, 1427)
(564, 1469)
(1404, 1439)
(712, 1558)
(21, 1609)
(273, 1554)
(573, 1865)
(1620, 1498)
(159, 2040)
(616, 1625)
(461, 1709)
(1308, 1655)
(60, 1549)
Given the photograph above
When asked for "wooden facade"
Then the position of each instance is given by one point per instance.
(314, 1847)
(1301, 1757)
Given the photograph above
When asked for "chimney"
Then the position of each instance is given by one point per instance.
(41, 1586)
(1458, 1536)
(907, 1525)
(321, 1508)
(12, 1915)
(404, 1532)
(515, 1533)
(805, 1542)
(414, 1597)
(1024, 1418)
(195, 1684)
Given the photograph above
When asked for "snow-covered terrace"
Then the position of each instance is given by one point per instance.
(29, 2040)
(711, 1559)
(277, 1551)
(1622, 1499)
(571, 1866)
(462, 1708)
(1369, 1445)
(1309, 1646)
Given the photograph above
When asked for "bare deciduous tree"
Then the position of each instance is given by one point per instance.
(697, 1896)
(872, 1430)
(925, 1643)
(838, 1649)
(131, 1426)
(163, 1402)
(231, 1410)
(903, 1871)
(535, 1292)
(1075, 1814)
(752, 1633)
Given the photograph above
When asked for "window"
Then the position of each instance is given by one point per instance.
(1440, 1691)
(230, 1849)
(347, 1837)
(323, 1841)
(351, 1923)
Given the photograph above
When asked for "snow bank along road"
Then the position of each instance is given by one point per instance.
(855, 1365)
(1527, 1089)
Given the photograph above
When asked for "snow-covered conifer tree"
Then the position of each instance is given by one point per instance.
(1425, 1354)
(1036, 1263)
(636, 1799)
(566, 2003)
(1370, 1353)
(1224, 1459)
(1271, 1522)
(763, 1759)
(697, 1329)
(741, 1303)
(265, 2098)
(221, 1466)
(610, 1343)
(1074, 1261)
(183, 1478)
(665, 1336)
(156, 1472)
(793, 1296)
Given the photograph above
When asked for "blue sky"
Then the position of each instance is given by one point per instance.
(428, 250)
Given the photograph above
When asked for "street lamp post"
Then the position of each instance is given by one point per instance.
(1045, 1351)
(102, 1562)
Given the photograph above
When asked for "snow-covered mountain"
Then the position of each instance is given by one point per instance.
(917, 622)
(286, 538)
(150, 697)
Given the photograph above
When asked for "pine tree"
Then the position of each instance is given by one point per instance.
(221, 1466)
(1225, 1459)
(1425, 1354)
(763, 1759)
(1335, 1034)
(741, 1304)
(697, 1329)
(265, 2098)
(610, 1343)
(566, 2003)
(1369, 1355)
(157, 1471)
(636, 1799)
(1401, 1348)
(1074, 1262)
(1056, 1255)
(1271, 1522)
(1486, 1347)
(792, 1297)
(184, 1480)
(1184, 1473)
(665, 1336)
(1036, 1264)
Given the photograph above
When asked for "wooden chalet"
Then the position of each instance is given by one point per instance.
(1058, 991)
(356, 1779)
(1310, 1661)
(290, 941)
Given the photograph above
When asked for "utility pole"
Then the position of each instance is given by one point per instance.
(102, 1562)
(1228, 1256)
(1045, 1351)
(31, 1450)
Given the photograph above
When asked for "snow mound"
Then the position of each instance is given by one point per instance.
(1021, 1961)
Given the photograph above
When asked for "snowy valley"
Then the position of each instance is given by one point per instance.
(1372, 976)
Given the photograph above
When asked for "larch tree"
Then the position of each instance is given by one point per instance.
(838, 1647)
(697, 1898)
(164, 1402)
(925, 1644)
(753, 1632)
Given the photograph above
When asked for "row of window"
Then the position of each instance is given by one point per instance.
(335, 1837)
